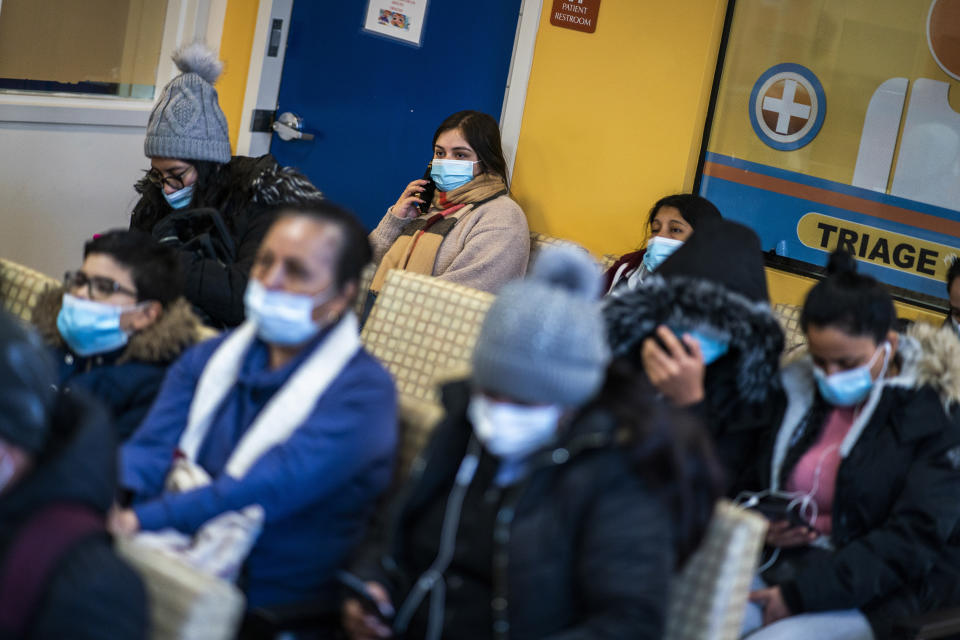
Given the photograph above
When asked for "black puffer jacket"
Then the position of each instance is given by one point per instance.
(581, 548)
(92, 593)
(896, 510)
(744, 397)
(246, 193)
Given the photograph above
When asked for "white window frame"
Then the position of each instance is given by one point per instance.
(518, 80)
(186, 21)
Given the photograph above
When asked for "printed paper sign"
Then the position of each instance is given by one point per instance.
(397, 19)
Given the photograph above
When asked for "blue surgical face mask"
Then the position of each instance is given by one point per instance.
(450, 174)
(90, 327)
(283, 318)
(711, 347)
(658, 250)
(179, 199)
(847, 388)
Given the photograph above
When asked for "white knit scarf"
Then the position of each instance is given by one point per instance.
(285, 411)
(221, 545)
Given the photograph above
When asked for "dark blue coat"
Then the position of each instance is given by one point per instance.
(317, 489)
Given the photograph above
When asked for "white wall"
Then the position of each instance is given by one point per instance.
(68, 163)
(57, 190)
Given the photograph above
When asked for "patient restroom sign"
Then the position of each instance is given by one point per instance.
(579, 15)
(787, 106)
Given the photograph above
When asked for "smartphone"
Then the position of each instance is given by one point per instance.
(357, 589)
(777, 508)
(428, 192)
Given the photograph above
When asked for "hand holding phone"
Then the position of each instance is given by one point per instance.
(777, 508)
(674, 365)
(409, 203)
(367, 611)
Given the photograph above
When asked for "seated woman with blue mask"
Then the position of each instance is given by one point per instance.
(870, 458)
(460, 225)
(702, 330)
(213, 209)
(671, 222)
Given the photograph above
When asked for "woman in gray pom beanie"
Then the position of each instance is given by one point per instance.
(212, 208)
(541, 509)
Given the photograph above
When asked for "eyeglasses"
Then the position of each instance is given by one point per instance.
(98, 287)
(175, 181)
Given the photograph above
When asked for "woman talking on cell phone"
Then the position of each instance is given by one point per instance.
(458, 222)
(867, 445)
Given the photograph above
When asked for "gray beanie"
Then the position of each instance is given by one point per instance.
(187, 123)
(543, 340)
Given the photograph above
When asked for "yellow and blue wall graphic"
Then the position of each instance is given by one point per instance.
(837, 124)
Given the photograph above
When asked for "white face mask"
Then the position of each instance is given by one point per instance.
(510, 430)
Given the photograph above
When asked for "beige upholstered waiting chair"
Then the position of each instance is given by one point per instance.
(417, 420)
(789, 317)
(709, 597)
(608, 260)
(540, 240)
(20, 287)
(185, 604)
(421, 327)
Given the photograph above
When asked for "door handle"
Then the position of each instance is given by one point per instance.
(289, 126)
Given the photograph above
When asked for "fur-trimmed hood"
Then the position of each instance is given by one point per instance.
(756, 339)
(177, 329)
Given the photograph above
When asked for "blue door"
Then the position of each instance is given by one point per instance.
(373, 104)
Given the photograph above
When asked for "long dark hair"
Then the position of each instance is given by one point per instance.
(694, 209)
(854, 303)
(483, 134)
(212, 187)
(669, 449)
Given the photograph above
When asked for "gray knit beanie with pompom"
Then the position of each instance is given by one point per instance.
(187, 123)
(543, 340)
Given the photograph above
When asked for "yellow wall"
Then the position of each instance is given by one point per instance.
(613, 120)
(236, 44)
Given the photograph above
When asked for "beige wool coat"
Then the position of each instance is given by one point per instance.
(485, 251)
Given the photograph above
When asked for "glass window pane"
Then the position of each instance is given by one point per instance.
(106, 47)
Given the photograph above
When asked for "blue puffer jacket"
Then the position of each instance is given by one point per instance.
(126, 381)
(318, 488)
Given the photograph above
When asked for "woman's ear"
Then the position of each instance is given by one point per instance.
(894, 339)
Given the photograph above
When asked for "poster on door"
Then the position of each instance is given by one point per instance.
(837, 124)
(397, 19)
